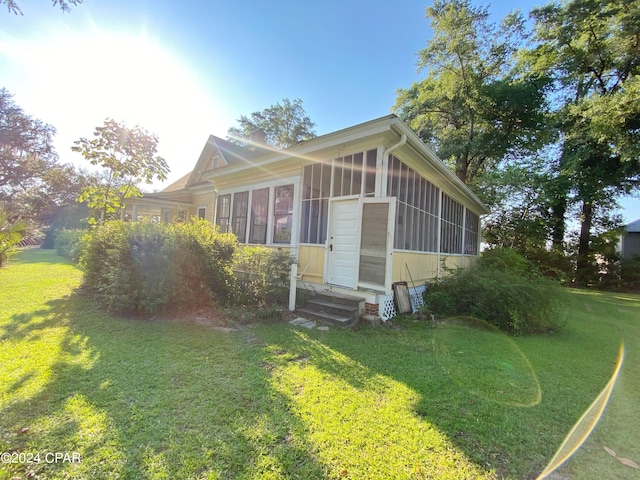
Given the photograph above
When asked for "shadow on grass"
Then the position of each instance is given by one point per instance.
(483, 394)
(151, 400)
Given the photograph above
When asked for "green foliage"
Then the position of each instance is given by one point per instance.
(502, 289)
(147, 268)
(283, 124)
(68, 243)
(262, 275)
(470, 105)
(630, 273)
(11, 233)
(128, 156)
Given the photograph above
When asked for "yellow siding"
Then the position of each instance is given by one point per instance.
(202, 200)
(311, 261)
(423, 267)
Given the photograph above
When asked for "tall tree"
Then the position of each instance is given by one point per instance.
(472, 105)
(26, 149)
(282, 124)
(128, 157)
(591, 48)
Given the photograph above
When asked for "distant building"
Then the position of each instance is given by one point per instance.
(630, 240)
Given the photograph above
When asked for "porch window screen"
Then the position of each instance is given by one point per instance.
(352, 175)
(223, 213)
(471, 231)
(417, 208)
(452, 213)
(283, 214)
(259, 215)
(240, 209)
(316, 189)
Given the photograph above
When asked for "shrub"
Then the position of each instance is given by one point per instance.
(147, 268)
(11, 233)
(500, 291)
(630, 273)
(262, 275)
(68, 243)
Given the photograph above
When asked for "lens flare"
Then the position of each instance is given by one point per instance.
(583, 427)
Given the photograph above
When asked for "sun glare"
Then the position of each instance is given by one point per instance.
(81, 78)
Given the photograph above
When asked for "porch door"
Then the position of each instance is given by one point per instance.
(376, 244)
(342, 265)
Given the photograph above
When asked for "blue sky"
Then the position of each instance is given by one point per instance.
(186, 69)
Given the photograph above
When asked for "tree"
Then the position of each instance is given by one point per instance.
(128, 157)
(591, 50)
(473, 105)
(13, 7)
(282, 124)
(26, 149)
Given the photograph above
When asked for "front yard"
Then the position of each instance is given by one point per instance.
(166, 399)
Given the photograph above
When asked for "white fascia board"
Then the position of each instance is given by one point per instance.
(306, 148)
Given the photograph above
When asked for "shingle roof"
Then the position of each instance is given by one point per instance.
(235, 154)
(633, 227)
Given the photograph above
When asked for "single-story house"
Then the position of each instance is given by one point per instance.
(360, 208)
(630, 240)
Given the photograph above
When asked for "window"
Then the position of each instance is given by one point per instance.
(282, 214)
(451, 230)
(471, 231)
(316, 185)
(202, 213)
(259, 213)
(167, 216)
(224, 210)
(240, 208)
(352, 175)
(417, 208)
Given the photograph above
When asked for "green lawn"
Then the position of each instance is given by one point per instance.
(159, 399)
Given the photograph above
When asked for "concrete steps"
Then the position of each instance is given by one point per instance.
(333, 309)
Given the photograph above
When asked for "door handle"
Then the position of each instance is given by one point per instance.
(331, 247)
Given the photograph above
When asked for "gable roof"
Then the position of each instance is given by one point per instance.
(390, 127)
(633, 227)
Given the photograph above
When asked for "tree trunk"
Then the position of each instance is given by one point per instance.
(558, 210)
(583, 266)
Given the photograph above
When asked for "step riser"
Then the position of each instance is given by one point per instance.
(335, 309)
(333, 298)
(318, 317)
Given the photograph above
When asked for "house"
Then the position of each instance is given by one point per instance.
(360, 208)
(630, 240)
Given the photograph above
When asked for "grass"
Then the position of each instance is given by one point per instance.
(160, 399)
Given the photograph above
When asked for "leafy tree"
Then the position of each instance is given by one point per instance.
(26, 149)
(473, 105)
(590, 49)
(283, 124)
(11, 232)
(128, 157)
(12, 5)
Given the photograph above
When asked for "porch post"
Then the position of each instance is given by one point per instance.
(134, 213)
(293, 285)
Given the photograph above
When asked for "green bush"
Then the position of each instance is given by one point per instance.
(68, 243)
(630, 273)
(262, 275)
(147, 268)
(501, 290)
